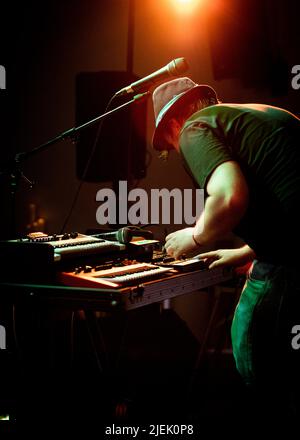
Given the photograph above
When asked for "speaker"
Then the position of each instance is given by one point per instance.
(239, 42)
(120, 152)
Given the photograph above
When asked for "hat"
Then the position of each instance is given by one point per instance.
(168, 97)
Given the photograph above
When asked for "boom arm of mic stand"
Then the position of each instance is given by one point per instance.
(72, 132)
(13, 167)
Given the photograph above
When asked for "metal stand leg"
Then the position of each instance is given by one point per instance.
(97, 340)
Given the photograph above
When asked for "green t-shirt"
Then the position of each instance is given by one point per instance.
(265, 141)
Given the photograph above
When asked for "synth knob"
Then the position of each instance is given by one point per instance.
(74, 234)
(65, 236)
(87, 269)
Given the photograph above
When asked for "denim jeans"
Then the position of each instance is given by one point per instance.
(261, 332)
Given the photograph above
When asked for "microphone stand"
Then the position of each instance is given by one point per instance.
(72, 132)
(13, 168)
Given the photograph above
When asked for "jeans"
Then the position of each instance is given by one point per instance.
(261, 332)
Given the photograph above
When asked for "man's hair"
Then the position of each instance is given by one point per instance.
(183, 113)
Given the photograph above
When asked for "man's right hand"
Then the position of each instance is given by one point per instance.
(228, 257)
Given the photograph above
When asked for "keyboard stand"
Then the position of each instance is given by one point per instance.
(97, 340)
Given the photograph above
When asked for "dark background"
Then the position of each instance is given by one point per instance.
(246, 51)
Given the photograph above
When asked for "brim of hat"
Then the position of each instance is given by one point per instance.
(199, 91)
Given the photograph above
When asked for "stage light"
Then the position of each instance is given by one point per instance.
(186, 6)
(186, 2)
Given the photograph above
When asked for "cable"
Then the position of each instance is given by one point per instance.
(75, 198)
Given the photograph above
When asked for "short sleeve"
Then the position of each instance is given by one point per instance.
(202, 151)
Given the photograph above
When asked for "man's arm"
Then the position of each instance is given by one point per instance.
(225, 205)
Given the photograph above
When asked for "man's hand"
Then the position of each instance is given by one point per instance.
(228, 257)
(180, 242)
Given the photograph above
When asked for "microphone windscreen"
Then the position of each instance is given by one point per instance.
(178, 66)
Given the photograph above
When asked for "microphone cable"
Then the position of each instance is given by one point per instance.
(87, 165)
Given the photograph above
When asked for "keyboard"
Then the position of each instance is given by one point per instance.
(114, 277)
(54, 248)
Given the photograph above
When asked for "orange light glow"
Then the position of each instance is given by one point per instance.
(186, 6)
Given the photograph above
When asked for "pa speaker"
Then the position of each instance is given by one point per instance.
(239, 42)
(120, 151)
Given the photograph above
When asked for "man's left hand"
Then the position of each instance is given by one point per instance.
(180, 242)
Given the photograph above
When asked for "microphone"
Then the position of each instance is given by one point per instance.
(122, 235)
(125, 234)
(174, 68)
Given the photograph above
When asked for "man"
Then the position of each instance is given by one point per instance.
(247, 159)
